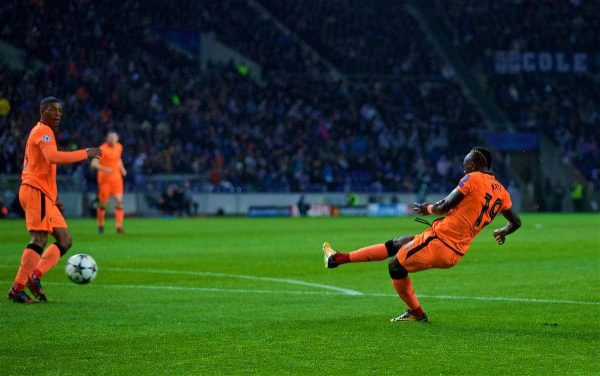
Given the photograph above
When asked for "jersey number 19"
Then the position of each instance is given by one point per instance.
(493, 210)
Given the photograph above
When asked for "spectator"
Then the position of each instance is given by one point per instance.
(170, 202)
(352, 199)
(303, 206)
(4, 106)
(189, 206)
(577, 196)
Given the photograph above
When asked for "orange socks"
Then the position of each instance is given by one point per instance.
(119, 215)
(375, 252)
(33, 263)
(29, 260)
(100, 215)
(405, 290)
(49, 259)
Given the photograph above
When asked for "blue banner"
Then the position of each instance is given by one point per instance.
(269, 211)
(513, 141)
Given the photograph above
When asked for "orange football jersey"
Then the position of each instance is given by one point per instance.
(41, 157)
(111, 158)
(485, 197)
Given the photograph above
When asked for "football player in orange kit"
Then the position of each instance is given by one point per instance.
(110, 180)
(475, 203)
(38, 197)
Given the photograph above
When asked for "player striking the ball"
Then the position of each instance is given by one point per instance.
(475, 203)
(38, 197)
(110, 180)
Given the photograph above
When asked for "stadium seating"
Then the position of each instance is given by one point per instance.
(562, 106)
(360, 37)
(292, 134)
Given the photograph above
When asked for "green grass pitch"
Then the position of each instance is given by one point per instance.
(251, 296)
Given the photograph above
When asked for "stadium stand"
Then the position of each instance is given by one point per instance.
(296, 130)
(361, 37)
(249, 32)
(290, 134)
(563, 106)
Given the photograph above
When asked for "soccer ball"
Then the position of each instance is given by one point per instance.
(81, 269)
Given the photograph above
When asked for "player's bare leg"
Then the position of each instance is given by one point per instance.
(49, 258)
(376, 252)
(29, 259)
(119, 214)
(101, 215)
(403, 286)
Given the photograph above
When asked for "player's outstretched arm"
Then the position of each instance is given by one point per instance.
(441, 207)
(514, 222)
(52, 155)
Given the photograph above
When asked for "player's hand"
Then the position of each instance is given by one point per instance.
(500, 235)
(93, 153)
(123, 171)
(107, 170)
(421, 208)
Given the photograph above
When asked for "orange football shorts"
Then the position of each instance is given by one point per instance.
(110, 188)
(427, 251)
(41, 213)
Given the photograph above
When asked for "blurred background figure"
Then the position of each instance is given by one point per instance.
(170, 202)
(577, 195)
(189, 206)
(303, 206)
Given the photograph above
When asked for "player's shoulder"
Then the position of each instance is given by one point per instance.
(484, 177)
(464, 180)
(40, 127)
(42, 132)
(471, 178)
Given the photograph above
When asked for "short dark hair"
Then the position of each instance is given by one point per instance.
(48, 100)
(485, 154)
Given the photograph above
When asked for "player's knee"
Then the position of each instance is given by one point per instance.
(63, 248)
(119, 205)
(391, 248)
(38, 241)
(397, 271)
(394, 245)
(39, 249)
(64, 244)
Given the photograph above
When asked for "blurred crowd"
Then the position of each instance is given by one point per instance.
(565, 107)
(480, 27)
(285, 134)
(297, 130)
(246, 30)
(360, 37)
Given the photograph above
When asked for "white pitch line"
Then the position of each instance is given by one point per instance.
(334, 290)
(200, 289)
(323, 293)
(498, 298)
(240, 276)
(348, 291)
